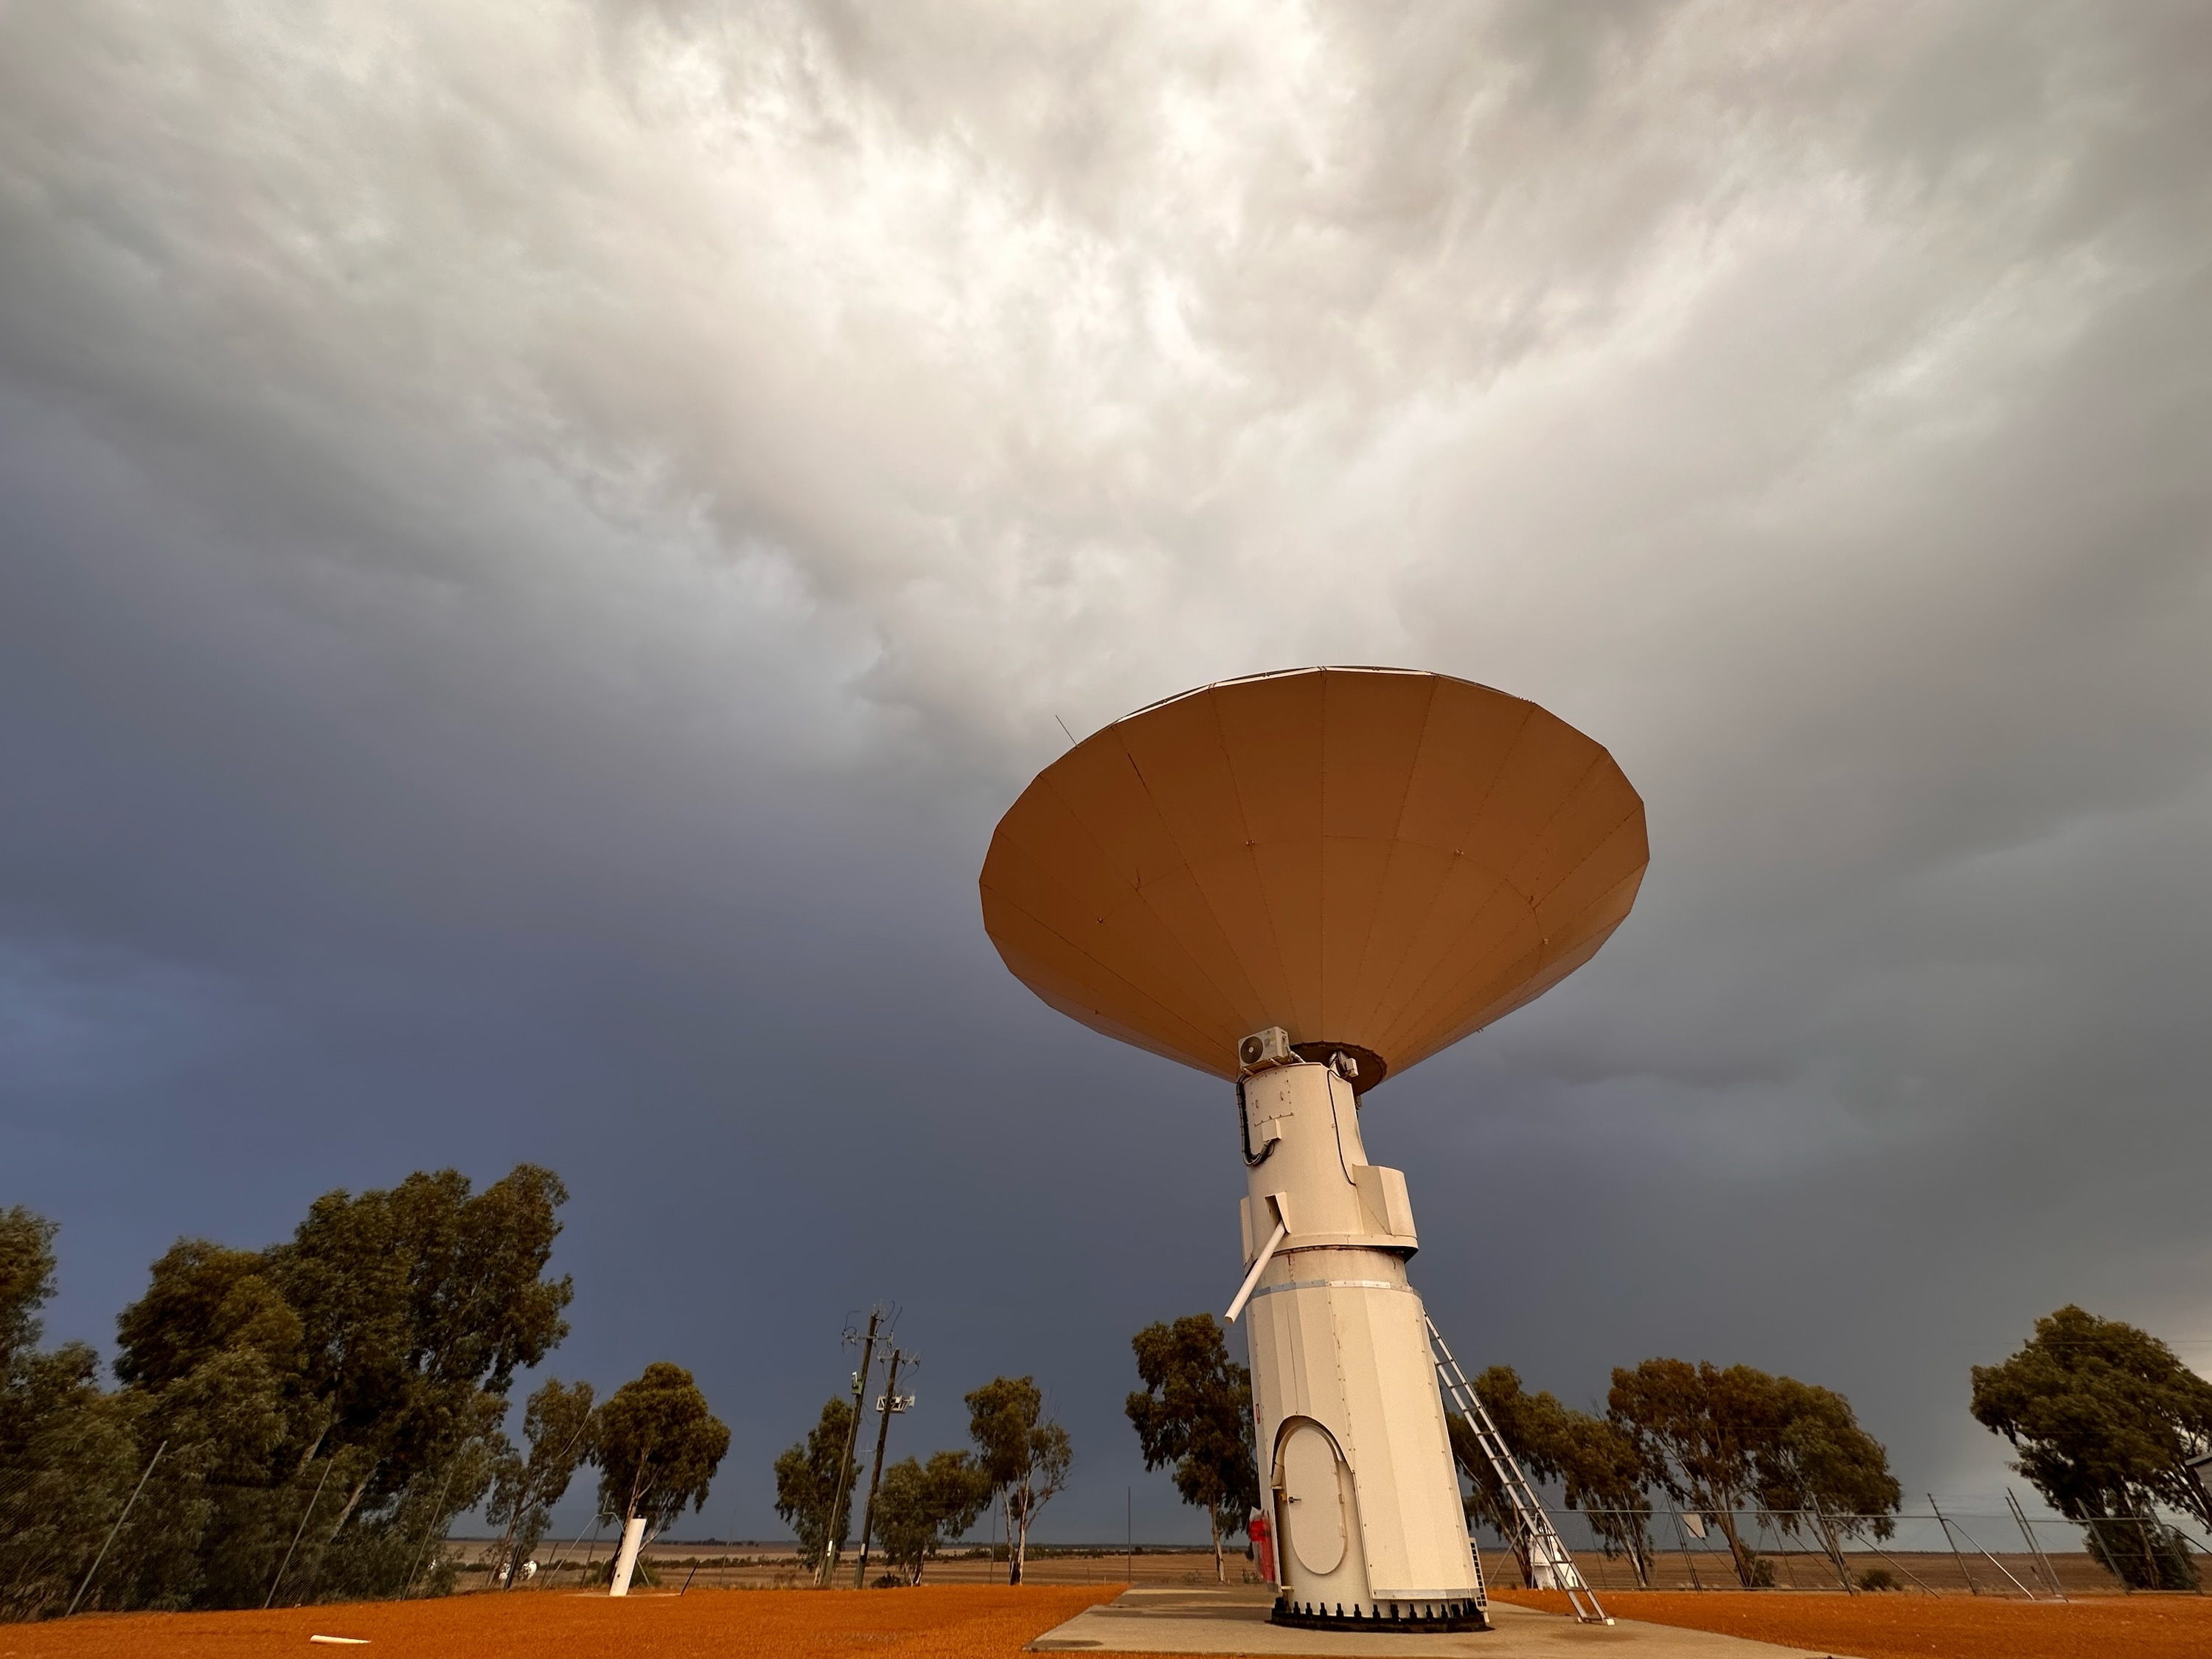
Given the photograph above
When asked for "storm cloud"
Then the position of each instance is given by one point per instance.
(536, 540)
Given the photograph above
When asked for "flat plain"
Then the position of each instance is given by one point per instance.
(983, 1621)
(1909, 1626)
(950, 1621)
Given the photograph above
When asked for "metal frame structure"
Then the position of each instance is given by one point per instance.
(1546, 1547)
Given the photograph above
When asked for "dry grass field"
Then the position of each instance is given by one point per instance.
(1919, 1626)
(774, 1565)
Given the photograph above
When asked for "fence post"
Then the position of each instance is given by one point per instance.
(2041, 1560)
(2144, 1537)
(1825, 1524)
(437, 1509)
(1681, 1533)
(117, 1528)
(1954, 1543)
(298, 1533)
(1758, 1521)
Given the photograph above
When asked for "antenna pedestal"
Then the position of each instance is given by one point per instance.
(1353, 1449)
(1270, 879)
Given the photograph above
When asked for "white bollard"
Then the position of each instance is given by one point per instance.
(626, 1562)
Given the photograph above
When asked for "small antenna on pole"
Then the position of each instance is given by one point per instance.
(1063, 726)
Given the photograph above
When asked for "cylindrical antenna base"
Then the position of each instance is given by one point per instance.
(1355, 1457)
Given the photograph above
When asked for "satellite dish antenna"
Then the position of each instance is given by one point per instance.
(1306, 883)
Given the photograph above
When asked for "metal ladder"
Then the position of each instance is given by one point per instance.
(1546, 1550)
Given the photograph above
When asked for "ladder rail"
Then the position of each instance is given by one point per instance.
(1539, 1535)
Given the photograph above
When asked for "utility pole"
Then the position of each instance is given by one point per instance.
(892, 1400)
(835, 1542)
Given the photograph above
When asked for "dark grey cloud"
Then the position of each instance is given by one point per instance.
(535, 543)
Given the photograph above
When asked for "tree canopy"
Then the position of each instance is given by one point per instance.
(418, 1305)
(2105, 1418)
(1194, 1413)
(657, 1446)
(26, 1278)
(1815, 1459)
(69, 1452)
(1594, 1461)
(1022, 1453)
(813, 1476)
(1720, 1440)
(322, 1408)
(559, 1429)
(922, 1506)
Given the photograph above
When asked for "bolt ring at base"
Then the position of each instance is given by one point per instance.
(1426, 1616)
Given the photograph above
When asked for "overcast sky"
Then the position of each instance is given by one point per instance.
(536, 540)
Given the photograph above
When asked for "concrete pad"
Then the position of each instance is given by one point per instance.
(1235, 1621)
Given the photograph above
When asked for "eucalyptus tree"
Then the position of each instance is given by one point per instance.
(307, 1419)
(1023, 1454)
(69, 1453)
(559, 1426)
(923, 1506)
(1818, 1469)
(1725, 1440)
(814, 1482)
(1594, 1461)
(1194, 1413)
(656, 1447)
(2105, 1418)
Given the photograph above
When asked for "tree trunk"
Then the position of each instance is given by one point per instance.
(315, 1575)
(1740, 1553)
(1622, 1530)
(346, 1514)
(1021, 1551)
(1834, 1546)
(505, 1557)
(1213, 1519)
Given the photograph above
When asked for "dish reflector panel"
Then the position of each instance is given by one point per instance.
(1375, 858)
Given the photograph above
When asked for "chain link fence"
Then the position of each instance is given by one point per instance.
(129, 1541)
(1937, 1551)
(79, 1535)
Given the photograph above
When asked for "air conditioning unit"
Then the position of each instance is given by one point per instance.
(1269, 1047)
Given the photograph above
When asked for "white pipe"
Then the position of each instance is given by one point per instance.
(626, 1562)
(1259, 1266)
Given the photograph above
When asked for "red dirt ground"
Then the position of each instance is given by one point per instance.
(1904, 1627)
(980, 1621)
(950, 1621)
